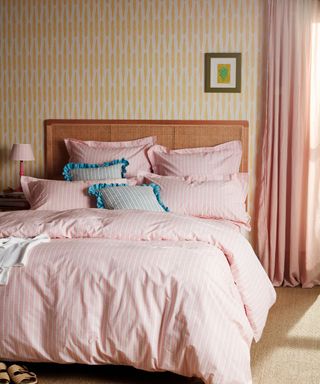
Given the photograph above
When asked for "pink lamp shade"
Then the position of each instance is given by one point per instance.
(21, 152)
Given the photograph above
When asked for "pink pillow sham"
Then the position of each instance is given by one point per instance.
(222, 198)
(59, 195)
(96, 152)
(205, 161)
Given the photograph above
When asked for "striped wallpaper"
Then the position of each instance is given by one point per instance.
(131, 59)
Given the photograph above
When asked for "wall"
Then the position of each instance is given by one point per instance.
(121, 59)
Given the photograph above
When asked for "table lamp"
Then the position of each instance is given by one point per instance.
(21, 152)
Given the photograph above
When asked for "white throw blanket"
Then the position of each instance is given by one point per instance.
(13, 252)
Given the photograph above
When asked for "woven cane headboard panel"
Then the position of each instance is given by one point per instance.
(171, 133)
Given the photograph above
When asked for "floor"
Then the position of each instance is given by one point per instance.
(289, 351)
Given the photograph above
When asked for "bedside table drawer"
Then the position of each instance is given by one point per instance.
(14, 203)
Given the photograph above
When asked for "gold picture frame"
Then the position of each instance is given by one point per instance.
(222, 72)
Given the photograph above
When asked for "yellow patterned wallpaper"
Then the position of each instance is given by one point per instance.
(132, 59)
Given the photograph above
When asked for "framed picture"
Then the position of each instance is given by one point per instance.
(222, 72)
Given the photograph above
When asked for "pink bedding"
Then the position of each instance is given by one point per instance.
(188, 298)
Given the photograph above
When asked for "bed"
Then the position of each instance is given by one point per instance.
(154, 290)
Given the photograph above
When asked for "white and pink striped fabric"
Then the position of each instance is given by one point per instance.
(97, 152)
(223, 197)
(157, 291)
(59, 195)
(221, 159)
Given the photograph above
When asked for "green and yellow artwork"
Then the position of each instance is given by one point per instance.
(223, 73)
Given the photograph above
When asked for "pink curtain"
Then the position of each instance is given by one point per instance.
(288, 214)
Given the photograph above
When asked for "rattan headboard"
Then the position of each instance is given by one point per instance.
(171, 133)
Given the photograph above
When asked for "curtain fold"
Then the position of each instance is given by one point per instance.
(288, 189)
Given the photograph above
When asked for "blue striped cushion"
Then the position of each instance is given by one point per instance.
(122, 196)
(114, 169)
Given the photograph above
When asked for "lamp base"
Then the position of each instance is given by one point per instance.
(19, 189)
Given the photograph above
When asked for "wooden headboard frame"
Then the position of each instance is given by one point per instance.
(171, 133)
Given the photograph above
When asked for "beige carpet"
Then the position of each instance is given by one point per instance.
(289, 351)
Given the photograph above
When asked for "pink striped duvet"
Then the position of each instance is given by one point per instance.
(157, 291)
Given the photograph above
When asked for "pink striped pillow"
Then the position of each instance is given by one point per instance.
(205, 161)
(222, 198)
(60, 195)
(97, 152)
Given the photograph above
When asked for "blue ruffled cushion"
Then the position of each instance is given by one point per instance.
(115, 169)
(122, 196)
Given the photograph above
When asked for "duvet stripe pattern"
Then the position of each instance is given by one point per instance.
(153, 290)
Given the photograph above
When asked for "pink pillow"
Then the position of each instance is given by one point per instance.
(222, 198)
(96, 152)
(205, 161)
(60, 195)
